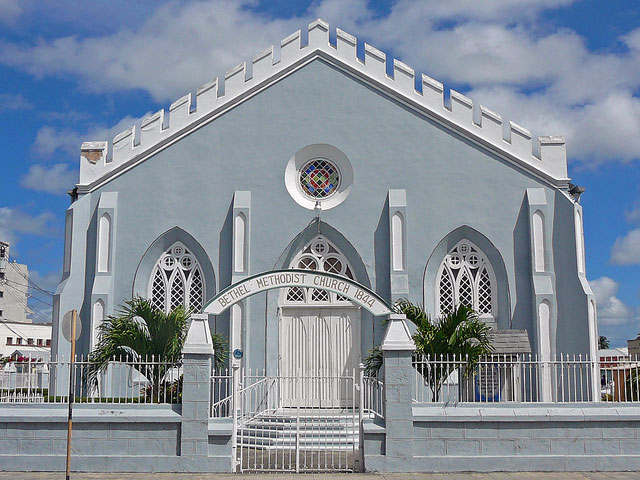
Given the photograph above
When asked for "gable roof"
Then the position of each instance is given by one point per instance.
(100, 161)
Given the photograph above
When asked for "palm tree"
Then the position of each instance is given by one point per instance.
(603, 342)
(458, 333)
(139, 332)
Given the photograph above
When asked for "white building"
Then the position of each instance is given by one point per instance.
(17, 332)
(14, 280)
(31, 340)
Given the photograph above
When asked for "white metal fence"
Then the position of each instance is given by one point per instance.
(372, 397)
(146, 380)
(524, 379)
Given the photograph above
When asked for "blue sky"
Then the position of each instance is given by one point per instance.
(75, 71)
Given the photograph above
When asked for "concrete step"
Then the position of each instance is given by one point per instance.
(338, 431)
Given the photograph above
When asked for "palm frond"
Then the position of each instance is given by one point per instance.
(140, 332)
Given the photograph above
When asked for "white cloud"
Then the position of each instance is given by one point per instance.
(626, 249)
(14, 222)
(633, 215)
(10, 10)
(501, 49)
(14, 101)
(611, 310)
(177, 48)
(56, 179)
(48, 281)
(50, 139)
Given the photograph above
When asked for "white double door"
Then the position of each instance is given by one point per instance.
(319, 350)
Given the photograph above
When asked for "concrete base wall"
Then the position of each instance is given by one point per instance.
(445, 439)
(106, 439)
(514, 438)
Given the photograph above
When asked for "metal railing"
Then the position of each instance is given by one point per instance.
(524, 379)
(221, 393)
(373, 397)
(124, 380)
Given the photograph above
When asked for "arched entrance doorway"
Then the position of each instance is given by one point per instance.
(318, 332)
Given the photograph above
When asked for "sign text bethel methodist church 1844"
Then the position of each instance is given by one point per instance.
(355, 292)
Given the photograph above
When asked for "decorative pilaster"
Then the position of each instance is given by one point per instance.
(399, 280)
(240, 265)
(397, 348)
(102, 291)
(197, 363)
(543, 284)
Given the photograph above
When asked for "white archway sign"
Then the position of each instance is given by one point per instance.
(358, 294)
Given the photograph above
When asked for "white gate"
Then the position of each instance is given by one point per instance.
(322, 345)
(276, 436)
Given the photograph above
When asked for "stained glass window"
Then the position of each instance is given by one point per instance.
(319, 178)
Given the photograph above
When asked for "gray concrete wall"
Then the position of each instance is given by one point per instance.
(516, 438)
(107, 439)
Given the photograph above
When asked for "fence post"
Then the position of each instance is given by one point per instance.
(361, 416)
(397, 348)
(235, 405)
(196, 388)
(595, 380)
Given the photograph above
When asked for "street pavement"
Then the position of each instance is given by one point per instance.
(329, 476)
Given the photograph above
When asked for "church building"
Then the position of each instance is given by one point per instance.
(324, 155)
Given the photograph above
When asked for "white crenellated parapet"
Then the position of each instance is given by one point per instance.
(514, 142)
(93, 160)
(376, 63)
(125, 143)
(553, 153)
(461, 109)
(180, 111)
(207, 96)
(152, 128)
(432, 93)
(490, 124)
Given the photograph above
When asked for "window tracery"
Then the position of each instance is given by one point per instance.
(466, 277)
(177, 280)
(322, 256)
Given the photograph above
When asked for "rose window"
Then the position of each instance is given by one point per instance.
(319, 178)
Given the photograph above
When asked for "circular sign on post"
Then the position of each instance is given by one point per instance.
(67, 325)
(237, 353)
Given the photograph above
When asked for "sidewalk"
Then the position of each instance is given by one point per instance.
(356, 476)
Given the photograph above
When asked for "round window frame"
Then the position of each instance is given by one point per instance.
(327, 153)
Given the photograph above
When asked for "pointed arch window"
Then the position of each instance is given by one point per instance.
(177, 280)
(322, 256)
(466, 277)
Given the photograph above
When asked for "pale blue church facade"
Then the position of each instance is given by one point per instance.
(315, 156)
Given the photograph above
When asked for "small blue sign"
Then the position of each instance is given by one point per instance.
(237, 353)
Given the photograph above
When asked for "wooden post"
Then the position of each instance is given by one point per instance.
(72, 377)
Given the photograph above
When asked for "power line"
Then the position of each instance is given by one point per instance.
(46, 292)
(31, 296)
(13, 262)
(24, 305)
(27, 293)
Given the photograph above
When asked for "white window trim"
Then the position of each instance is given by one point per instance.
(308, 252)
(483, 262)
(177, 269)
